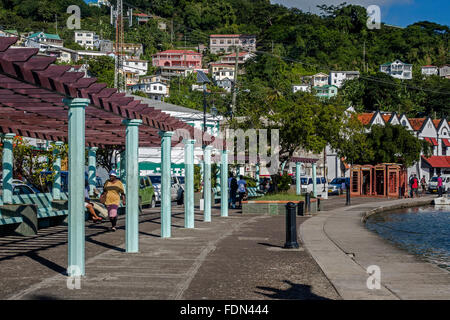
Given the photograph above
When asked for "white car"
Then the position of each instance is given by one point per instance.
(432, 185)
(307, 184)
(176, 188)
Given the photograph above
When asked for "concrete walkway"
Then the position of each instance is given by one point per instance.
(344, 248)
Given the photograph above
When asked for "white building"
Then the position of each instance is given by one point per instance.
(444, 72)
(135, 65)
(86, 39)
(220, 71)
(223, 43)
(319, 79)
(430, 70)
(154, 90)
(337, 78)
(397, 69)
(301, 87)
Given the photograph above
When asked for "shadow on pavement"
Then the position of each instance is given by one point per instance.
(295, 292)
(45, 262)
(269, 245)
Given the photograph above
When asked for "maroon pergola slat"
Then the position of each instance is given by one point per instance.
(32, 87)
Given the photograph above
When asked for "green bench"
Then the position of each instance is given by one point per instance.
(43, 201)
(253, 192)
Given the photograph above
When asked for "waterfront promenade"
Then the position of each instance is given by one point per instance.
(237, 257)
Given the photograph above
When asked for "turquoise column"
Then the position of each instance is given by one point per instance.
(189, 183)
(224, 184)
(132, 185)
(298, 185)
(207, 183)
(166, 212)
(7, 167)
(57, 169)
(314, 176)
(257, 176)
(76, 138)
(92, 168)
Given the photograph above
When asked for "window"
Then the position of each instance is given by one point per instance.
(222, 42)
(160, 88)
(229, 41)
(214, 42)
(154, 88)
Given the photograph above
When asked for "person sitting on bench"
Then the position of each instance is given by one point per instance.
(89, 206)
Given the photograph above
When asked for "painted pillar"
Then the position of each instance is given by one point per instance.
(224, 184)
(57, 169)
(8, 167)
(166, 138)
(314, 177)
(132, 185)
(189, 183)
(218, 178)
(207, 183)
(257, 176)
(298, 185)
(76, 138)
(92, 168)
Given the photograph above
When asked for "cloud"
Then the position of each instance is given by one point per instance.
(311, 5)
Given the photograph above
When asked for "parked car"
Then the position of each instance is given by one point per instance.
(307, 184)
(432, 185)
(19, 187)
(176, 189)
(146, 192)
(335, 186)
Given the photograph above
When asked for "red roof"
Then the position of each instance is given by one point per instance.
(241, 53)
(416, 123)
(365, 118)
(179, 51)
(438, 161)
(386, 117)
(446, 142)
(436, 123)
(432, 141)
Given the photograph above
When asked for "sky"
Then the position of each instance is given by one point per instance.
(395, 12)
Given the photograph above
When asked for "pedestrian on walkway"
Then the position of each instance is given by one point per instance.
(233, 186)
(439, 185)
(242, 189)
(415, 186)
(113, 191)
(88, 204)
(423, 183)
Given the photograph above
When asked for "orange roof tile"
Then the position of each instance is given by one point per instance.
(365, 118)
(416, 123)
(386, 117)
(437, 122)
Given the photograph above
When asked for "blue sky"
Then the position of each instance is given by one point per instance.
(395, 12)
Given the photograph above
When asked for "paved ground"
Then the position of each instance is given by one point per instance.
(344, 248)
(239, 257)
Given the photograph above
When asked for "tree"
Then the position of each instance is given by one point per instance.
(103, 69)
(107, 156)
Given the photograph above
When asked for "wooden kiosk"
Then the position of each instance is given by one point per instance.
(382, 180)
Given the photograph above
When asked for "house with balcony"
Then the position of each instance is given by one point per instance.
(178, 58)
(326, 91)
(43, 41)
(154, 90)
(444, 72)
(337, 78)
(136, 65)
(319, 80)
(397, 69)
(430, 70)
(221, 71)
(223, 43)
(230, 59)
(86, 39)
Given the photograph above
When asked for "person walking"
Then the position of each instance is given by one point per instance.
(415, 186)
(423, 183)
(439, 185)
(242, 189)
(113, 191)
(410, 182)
(233, 191)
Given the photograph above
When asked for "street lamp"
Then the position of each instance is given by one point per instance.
(203, 79)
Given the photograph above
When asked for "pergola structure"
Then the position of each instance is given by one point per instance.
(41, 100)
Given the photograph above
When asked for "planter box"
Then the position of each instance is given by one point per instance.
(272, 207)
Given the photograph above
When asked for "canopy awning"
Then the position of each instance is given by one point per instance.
(438, 161)
(432, 141)
(446, 142)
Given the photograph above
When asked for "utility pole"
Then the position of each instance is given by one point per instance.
(56, 23)
(364, 56)
(233, 103)
(171, 33)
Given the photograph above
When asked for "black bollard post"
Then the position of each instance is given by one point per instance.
(318, 205)
(300, 206)
(307, 202)
(347, 196)
(291, 227)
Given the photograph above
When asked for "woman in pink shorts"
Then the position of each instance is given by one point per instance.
(114, 191)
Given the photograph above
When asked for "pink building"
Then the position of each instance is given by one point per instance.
(177, 58)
